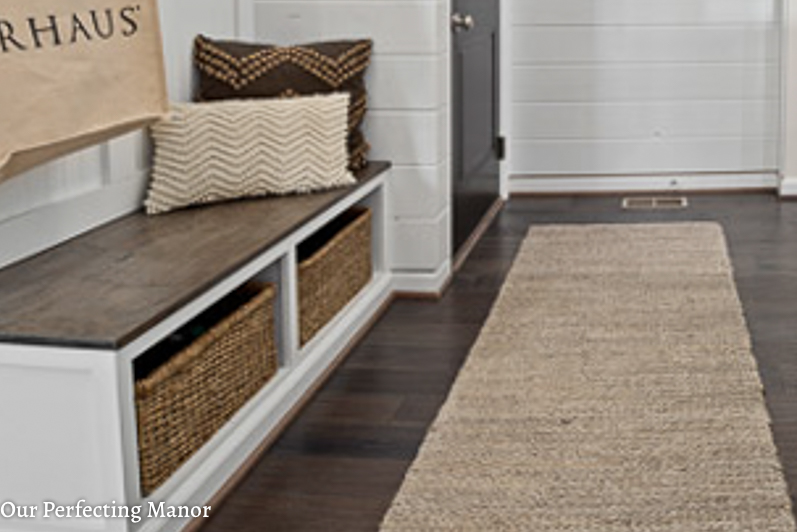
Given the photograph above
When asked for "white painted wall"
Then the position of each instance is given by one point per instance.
(788, 185)
(644, 86)
(408, 118)
(70, 195)
(563, 96)
(408, 124)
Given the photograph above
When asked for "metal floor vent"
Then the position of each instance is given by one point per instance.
(654, 203)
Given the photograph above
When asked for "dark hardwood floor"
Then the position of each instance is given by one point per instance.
(338, 466)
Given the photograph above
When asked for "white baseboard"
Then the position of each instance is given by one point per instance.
(421, 282)
(788, 187)
(642, 183)
(48, 226)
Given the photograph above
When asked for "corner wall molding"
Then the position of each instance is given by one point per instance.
(788, 187)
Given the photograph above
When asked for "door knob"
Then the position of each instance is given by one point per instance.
(460, 22)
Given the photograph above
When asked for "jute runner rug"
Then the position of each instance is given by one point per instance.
(613, 388)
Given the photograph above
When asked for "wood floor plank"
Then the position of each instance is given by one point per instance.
(339, 465)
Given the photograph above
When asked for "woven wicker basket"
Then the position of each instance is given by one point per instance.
(335, 271)
(185, 401)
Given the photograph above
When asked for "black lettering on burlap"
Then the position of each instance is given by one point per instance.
(37, 31)
(7, 38)
(105, 32)
(78, 28)
(131, 24)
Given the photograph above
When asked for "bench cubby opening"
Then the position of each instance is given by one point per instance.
(334, 265)
(194, 381)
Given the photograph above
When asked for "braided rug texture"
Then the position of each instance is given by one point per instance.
(613, 388)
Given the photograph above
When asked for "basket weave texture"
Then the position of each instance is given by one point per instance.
(331, 277)
(183, 403)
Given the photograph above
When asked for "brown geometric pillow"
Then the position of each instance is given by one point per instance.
(232, 69)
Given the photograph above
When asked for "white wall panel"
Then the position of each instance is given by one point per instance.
(644, 12)
(646, 82)
(52, 182)
(421, 244)
(788, 155)
(418, 192)
(128, 156)
(644, 156)
(408, 120)
(398, 27)
(644, 86)
(181, 21)
(404, 82)
(617, 44)
(405, 138)
(656, 120)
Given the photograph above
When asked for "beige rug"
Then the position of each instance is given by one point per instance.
(612, 389)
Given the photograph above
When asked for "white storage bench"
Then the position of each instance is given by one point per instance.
(76, 320)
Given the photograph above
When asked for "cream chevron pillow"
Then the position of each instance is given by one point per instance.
(209, 152)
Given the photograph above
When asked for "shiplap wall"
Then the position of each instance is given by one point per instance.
(596, 86)
(408, 118)
(644, 86)
(408, 124)
(70, 195)
(788, 162)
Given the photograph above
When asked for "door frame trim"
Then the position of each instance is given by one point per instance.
(505, 129)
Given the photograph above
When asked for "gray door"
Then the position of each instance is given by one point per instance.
(475, 70)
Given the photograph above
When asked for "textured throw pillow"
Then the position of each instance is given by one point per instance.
(230, 69)
(208, 152)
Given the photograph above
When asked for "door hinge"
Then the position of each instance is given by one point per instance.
(500, 148)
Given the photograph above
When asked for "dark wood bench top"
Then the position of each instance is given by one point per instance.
(105, 288)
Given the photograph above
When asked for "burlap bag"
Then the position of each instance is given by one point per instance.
(74, 73)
